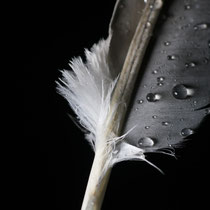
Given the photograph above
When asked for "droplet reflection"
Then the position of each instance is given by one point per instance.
(145, 142)
(182, 92)
(153, 97)
(186, 132)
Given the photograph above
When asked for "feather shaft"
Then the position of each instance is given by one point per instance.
(100, 172)
(97, 183)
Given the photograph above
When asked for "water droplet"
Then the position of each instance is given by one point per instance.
(148, 24)
(154, 116)
(160, 79)
(171, 57)
(182, 92)
(187, 7)
(145, 142)
(205, 60)
(194, 103)
(155, 72)
(145, 1)
(167, 43)
(201, 26)
(187, 132)
(165, 123)
(152, 97)
(191, 64)
(160, 84)
(209, 43)
(147, 127)
(140, 101)
(151, 6)
(207, 111)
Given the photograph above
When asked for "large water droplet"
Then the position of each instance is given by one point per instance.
(201, 26)
(171, 57)
(152, 97)
(145, 142)
(187, 132)
(182, 92)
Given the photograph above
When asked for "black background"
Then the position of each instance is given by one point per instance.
(59, 159)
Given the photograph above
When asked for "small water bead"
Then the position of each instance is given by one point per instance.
(207, 111)
(155, 72)
(154, 116)
(167, 43)
(153, 97)
(148, 24)
(165, 123)
(160, 79)
(182, 92)
(205, 60)
(160, 84)
(187, 132)
(191, 64)
(140, 101)
(147, 127)
(145, 142)
(171, 57)
(209, 43)
(187, 7)
(151, 6)
(201, 26)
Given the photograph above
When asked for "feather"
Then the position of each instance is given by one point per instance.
(123, 121)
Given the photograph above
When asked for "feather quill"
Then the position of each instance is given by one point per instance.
(99, 92)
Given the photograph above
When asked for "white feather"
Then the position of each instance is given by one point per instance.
(88, 89)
